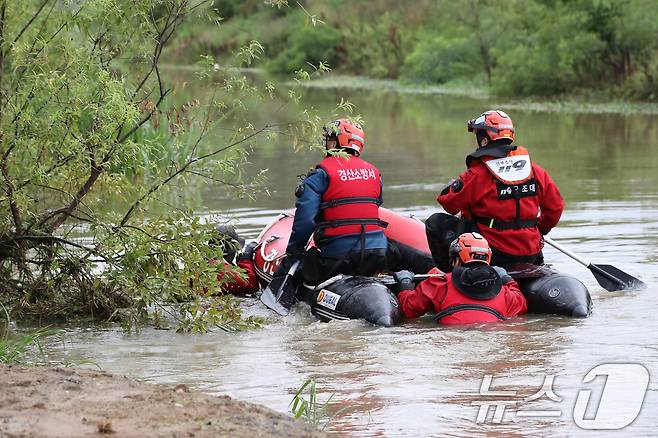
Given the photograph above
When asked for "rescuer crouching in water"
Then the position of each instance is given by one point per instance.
(235, 256)
(473, 292)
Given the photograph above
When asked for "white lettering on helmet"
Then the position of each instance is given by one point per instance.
(479, 249)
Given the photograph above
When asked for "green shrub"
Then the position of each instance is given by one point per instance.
(307, 44)
(440, 59)
(545, 56)
(376, 47)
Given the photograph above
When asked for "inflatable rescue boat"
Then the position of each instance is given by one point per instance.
(346, 297)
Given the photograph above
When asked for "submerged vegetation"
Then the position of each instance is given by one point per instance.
(311, 410)
(98, 145)
(601, 48)
(20, 349)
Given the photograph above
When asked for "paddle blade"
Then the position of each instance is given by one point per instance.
(612, 279)
(281, 293)
(269, 299)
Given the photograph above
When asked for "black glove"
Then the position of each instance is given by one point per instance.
(405, 280)
(502, 273)
(287, 263)
(247, 252)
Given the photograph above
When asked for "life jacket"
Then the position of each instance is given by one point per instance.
(455, 301)
(514, 179)
(350, 205)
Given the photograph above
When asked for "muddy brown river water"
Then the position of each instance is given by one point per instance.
(418, 379)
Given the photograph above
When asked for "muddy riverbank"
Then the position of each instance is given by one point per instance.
(55, 402)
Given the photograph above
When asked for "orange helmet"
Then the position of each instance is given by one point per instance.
(349, 134)
(497, 124)
(471, 247)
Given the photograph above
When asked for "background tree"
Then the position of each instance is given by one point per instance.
(606, 48)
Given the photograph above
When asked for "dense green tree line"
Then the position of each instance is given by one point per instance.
(513, 47)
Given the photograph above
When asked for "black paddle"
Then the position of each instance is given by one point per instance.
(281, 293)
(388, 280)
(609, 277)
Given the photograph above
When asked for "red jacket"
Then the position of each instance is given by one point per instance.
(438, 293)
(352, 197)
(478, 194)
(235, 284)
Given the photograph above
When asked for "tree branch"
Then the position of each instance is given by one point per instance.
(19, 75)
(90, 217)
(3, 10)
(159, 45)
(94, 173)
(29, 23)
(149, 234)
(213, 179)
(9, 191)
(54, 239)
(62, 162)
(137, 126)
(184, 168)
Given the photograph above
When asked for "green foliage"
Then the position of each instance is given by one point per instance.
(518, 47)
(307, 45)
(171, 278)
(19, 350)
(28, 349)
(376, 47)
(440, 60)
(101, 154)
(311, 410)
(545, 56)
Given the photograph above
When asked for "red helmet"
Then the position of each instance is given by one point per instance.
(497, 124)
(471, 247)
(349, 134)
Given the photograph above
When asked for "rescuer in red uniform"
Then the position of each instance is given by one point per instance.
(231, 280)
(473, 292)
(502, 194)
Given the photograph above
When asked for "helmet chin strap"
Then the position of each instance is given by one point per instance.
(482, 139)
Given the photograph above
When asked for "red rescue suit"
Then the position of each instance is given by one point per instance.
(350, 205)
(439, 295)
(512, 201)
(232, 282)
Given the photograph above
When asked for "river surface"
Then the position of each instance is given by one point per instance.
(418, 379)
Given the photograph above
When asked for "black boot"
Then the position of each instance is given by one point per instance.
(441, 229)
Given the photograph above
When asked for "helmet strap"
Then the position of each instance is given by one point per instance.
(351, 151)
(482, 138)
(330, 137)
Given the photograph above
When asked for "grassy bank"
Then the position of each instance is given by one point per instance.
(575, 104)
